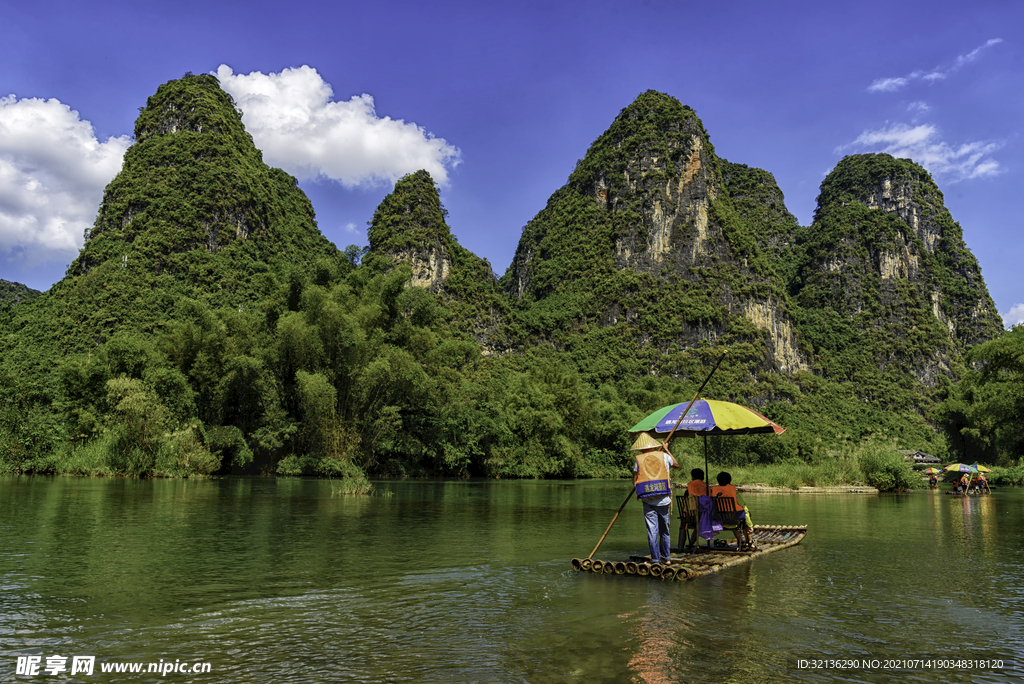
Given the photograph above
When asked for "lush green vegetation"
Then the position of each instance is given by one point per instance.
(874, 463)
(208, 328)
(12, 294)
(354, 374)
(409, 223)
(982, 414)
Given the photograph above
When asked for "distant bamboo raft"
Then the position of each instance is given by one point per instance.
(687, 566)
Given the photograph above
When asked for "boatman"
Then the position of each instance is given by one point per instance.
(654, 489)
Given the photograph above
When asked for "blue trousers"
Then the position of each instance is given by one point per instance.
(659, 535)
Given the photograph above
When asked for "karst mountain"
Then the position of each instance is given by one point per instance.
(653, 259)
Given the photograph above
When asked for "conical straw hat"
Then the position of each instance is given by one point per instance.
(645, 441)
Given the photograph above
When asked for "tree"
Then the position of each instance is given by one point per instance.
(983, 413)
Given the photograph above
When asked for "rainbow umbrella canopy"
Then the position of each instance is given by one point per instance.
(707, 417)
(961, 468)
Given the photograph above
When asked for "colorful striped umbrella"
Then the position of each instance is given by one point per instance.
(961, 468)
(707, 417)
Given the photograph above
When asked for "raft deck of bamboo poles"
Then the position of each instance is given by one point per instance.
(687, 566)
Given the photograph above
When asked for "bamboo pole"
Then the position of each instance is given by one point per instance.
(692, 401)
(665, 445)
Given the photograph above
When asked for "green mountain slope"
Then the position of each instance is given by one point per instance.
(644, 262)
(12, 294)
(409, 227)
(194, 213)
(888, 292)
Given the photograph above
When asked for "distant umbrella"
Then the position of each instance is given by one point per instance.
(932, 471)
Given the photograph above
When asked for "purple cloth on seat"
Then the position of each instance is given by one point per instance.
(707, 525)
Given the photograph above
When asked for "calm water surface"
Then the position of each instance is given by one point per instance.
(282, 581)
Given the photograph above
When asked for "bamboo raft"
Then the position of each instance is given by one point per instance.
(687, 566)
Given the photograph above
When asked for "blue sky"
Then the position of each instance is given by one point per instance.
(499, 100)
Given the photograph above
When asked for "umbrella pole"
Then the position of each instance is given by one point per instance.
(601, 540)
(707, 473)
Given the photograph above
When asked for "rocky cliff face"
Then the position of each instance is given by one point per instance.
(657, 253)
(885, 254)
(760, 205)
(646, 239)
(652, 177)
(409, 227)
(955, 288)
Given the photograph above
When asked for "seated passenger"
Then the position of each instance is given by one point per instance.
(725, 488)
(695, 487)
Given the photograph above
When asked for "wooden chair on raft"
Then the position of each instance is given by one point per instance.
(729, 515)
(687, 517)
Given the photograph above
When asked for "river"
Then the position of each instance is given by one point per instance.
(282, 580)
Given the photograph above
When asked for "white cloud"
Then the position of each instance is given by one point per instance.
(918, 107)
(973, 54)
(924, 145)
(53, 169)
(294, 120)
(891, 84)
(886, 85)
(52, 174)
(1015, 316)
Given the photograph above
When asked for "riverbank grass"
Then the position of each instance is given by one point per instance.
(872, 464)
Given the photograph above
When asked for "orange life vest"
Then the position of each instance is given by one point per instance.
(651, 475)
(696, 488)
(726, 491)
